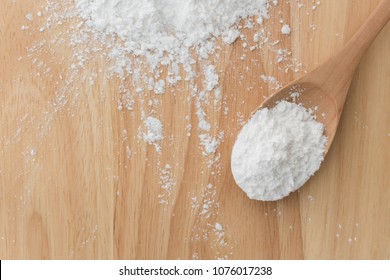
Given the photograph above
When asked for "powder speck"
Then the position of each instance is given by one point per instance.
(286, 30)
(218, 226)
(33, 152)
(209, 143)
(30, 16)
(154, 130)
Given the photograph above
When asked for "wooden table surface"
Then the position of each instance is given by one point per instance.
(77, 183)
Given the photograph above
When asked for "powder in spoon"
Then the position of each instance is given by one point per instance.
(277, 151)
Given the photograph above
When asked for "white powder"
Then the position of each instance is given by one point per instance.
(218, 227)
(286, 30)
(29, 16)
(167, 183)
(168, 25)
(154, 130)
(277, 151)
(210, 144)
(171, 36)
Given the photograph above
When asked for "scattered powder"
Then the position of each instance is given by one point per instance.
(210, 144)
(209, 206)
(154, 131)
(272, 81)
(167, 183)
(221, 242)
(129, 153)
(277, 151)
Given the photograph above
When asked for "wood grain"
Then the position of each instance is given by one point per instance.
(69, 189)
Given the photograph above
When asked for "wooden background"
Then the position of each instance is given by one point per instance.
(70, 189)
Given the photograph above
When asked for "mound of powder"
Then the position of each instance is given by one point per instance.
(277, 151)
(168, 25)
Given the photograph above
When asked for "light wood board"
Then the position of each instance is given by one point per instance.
(69, 189)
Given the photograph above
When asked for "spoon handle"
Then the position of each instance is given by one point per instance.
(359, 43)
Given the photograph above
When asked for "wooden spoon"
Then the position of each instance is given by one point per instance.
(326, 87)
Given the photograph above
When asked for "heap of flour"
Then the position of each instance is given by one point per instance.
(168, 25)
(172, 40)
(277, 151)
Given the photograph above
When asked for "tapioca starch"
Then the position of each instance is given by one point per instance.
(277, 151)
